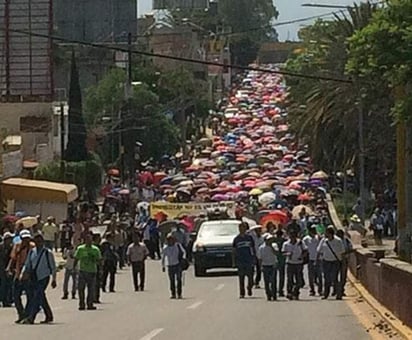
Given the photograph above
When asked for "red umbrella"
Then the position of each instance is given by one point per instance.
(275, 216)
(304, 197)
(113, 172)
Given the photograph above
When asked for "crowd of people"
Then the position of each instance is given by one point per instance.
(287, 251)
(251, 159)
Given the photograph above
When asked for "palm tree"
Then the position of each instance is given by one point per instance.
(326, 113)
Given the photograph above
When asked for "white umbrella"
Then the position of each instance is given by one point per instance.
(267, 198)
(296, 210)
(320, 175)
(27, 221)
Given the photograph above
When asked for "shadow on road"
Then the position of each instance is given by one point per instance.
(225, 273)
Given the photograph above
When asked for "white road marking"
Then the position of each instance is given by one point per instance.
(195, 305)
(152, 334)
(220, 287)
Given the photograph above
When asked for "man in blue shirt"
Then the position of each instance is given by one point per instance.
(243, 258)
(39, 266)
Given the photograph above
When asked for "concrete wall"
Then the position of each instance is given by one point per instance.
(389, 280)
(10, 115)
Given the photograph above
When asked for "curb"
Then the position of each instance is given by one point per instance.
(386, 315)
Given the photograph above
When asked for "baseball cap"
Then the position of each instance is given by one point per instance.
(25, 233)
(7, 234)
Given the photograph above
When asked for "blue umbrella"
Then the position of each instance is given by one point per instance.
(166, 180)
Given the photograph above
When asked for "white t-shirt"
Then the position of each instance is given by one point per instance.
(294, 251)
(268, 255)
(336, 245)
(312, 244)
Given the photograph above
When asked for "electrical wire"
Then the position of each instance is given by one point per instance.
(182, 59)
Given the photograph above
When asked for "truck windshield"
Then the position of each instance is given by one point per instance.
(218, 230)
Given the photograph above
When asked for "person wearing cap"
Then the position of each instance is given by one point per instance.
(356, 224)
(331, 250)
(50, 232)
(5, 279)
(88, 256)
(294, 250)
(173, 253)
(39, 265)
(18, 257)
(267, 256)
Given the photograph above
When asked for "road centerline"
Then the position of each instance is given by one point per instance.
(152, 334)
(195, 305)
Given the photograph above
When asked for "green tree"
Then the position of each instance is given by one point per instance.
(325, 113)
(76, 147)
(249, 20)
(382, 49)
(141, 118)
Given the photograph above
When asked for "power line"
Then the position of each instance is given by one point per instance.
(282, 23)
(182, 59)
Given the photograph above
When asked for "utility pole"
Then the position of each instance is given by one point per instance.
(62, 141)
(361, 156)
(128, 95)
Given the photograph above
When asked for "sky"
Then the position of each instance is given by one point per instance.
(288, 10)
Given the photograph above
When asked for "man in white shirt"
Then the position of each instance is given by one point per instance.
(314, 268)
(137, 253)
(172, 255)
(294, 250)
(267, 256)
(331, 249)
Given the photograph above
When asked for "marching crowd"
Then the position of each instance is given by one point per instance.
(252, 160)
(287, 251)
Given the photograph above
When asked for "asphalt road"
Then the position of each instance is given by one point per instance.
(210, 310)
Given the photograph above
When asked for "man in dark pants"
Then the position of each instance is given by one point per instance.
(18, 257)
(312, 242)
(243, 258)
(281, 267)
(173, 253)
(344, 267)
(99, 273)
(110, 258)
(6, 282)
(331, 250)
(88, 256)
(267, 255)
(40, 265)
(294, 249)
(137, 253)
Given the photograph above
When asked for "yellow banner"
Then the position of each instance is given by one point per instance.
(175, 210)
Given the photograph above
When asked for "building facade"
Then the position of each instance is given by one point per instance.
(95, 20)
